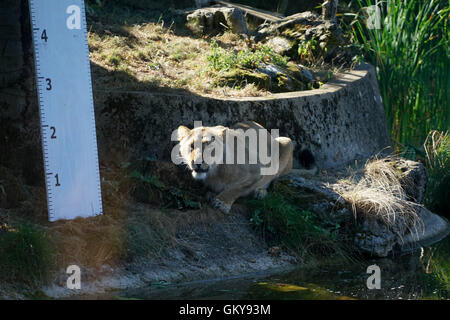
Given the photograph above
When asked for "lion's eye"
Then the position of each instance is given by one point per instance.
(212, 139)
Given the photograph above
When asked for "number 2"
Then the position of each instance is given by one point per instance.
(53, 136)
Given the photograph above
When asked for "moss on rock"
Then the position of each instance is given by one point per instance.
(241, 77)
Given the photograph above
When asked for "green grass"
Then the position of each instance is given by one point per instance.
(411, 54)
(437, 148)
(25, 254)
(281, 222)
(436, 275)
(221, 59)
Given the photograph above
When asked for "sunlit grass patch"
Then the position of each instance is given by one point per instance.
(151, 55)
(26, 254)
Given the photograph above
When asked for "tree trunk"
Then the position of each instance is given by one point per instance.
(329, 10)
(282, 6)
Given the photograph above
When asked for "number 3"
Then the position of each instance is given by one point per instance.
(49, 84)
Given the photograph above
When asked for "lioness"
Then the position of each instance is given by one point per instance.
(242, 168)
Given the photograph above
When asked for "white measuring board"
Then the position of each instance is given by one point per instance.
(66, 108)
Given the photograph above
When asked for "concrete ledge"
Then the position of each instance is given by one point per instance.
(341, 122)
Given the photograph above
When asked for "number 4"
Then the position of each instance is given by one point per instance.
(44, 35)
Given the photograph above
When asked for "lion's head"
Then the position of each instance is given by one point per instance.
(199, 147)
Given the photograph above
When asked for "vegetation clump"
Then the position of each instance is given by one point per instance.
(281, 221)
(220, 59)
(26, 254)
(437, 148)
(145, 52)
(380, 195)
(411, 55)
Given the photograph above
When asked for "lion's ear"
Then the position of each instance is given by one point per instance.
(182, 132)
(219, 131)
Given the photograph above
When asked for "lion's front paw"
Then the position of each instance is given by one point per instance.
(218, 204)
(260, 193)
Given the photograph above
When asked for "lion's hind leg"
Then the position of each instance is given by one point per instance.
(286, 151)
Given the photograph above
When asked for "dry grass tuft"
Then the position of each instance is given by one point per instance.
(92, 241)
(379, 195)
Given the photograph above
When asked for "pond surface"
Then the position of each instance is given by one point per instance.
(423, 274)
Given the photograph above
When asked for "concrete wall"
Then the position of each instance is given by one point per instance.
(341, 122)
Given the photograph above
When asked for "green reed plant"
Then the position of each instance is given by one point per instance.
(437, 149)
(411, 54)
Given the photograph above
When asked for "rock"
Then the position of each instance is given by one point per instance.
(374, 236)
(200, 22)
(379, 240)
(235, 20)
(434, 228)
(281, 80)
(241, 77)
(280, 45)
(305, 28)
(413, 179)
(412, 176)
(322, 75)
(376, 239)
(270, 69)
(293, 77)
(329, 37)
(301, 72)
(213, 20)
(302, 21)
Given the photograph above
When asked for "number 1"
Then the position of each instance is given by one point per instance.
(57, 180)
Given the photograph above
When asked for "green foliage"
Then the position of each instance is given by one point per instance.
(25, 254)
(436, 275)
(148, 179)
(437, 148)
(307, 49)
(411, 54)
(114, 59)
(167, 196)
(283, 223)
(220, 59)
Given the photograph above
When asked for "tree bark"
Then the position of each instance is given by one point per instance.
(282, 6)
(329, 10)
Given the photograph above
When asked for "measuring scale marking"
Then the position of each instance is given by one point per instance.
(66, 108)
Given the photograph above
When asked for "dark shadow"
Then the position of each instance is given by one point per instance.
(115, 18)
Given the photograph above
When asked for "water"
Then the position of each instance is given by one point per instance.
(423, 274)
